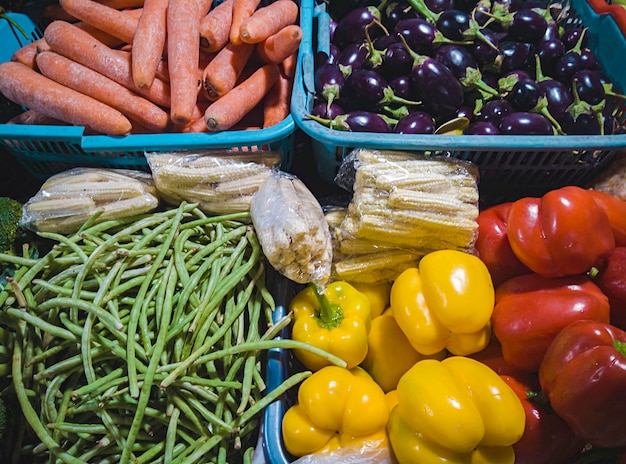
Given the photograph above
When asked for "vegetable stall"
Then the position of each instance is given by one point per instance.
(312, 231)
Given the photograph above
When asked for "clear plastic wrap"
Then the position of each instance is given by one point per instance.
(403, 206)
(369, 453)
(219, 181)
(292, 230)
(613, 179)
(68, 199)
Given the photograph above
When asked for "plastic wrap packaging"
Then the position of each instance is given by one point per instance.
(403, 206)
(68, 199)
(219, 181)
(292, 230)
(613, 179)
(369, 453)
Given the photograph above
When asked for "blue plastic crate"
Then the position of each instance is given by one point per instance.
(510, 166)
(47, 150)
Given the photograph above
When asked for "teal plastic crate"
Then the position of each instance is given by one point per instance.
(510, 166)
(47, 150)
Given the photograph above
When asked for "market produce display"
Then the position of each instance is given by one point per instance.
(411, 67)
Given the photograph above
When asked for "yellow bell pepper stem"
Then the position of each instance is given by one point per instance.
(330, 314)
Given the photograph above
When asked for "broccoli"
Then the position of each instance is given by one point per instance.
(10, 214)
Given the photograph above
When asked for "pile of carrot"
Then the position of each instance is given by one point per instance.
(122, 67)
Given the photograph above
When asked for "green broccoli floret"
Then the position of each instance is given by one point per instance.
(10, 214)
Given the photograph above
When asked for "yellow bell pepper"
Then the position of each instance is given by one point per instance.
(336, 407)
(336, 320)
(456, 411)
(389, 353)
(445, 303)
(377, 293)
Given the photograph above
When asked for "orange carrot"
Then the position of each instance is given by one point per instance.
(221, 74)
(183, 54)
(288, 66)
(114, 22)
(149, 42)
(71, 42)
(122, 4)
(277, 102)
(215, 27)
(268, 20)
(89, 82)
(26, 87)
(278, 47)
(161, 71)
(242, 9)
(227, 111)
(55, 11)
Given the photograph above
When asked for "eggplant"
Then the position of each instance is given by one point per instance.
(370, 90)
(481, 128)
(329, 80)
(403, 87)
(527, 25)
(441, 92)
(589, 86)
(527, 95)
(352, 57)
(526, 123)
(396, 12)
(351, 28)
(327, 110)
(575, 36)
(549, 51)
(514, 55)
(573, 60)
(582, 124)
(419, 34)
(458, 25)
(464, 67)
(362, 121)
(418, 122)
(495, 110)
(438, 6)
(485, 53)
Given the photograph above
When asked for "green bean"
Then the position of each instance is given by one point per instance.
(48, 353)
(132, 325)
(204, 447)
(170, 280)
(27, 409)
(96, 384)
(95, 429)
(60, 290)
(63, 240)
(150, 454)
(210, 417)
(105, 317)
(42, 325)
(49, 409)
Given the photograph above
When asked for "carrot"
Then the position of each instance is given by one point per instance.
(161, 71)
(183, 54)
(228, 110)
(288, 66)
(268, 20)
(221, 74)
(91, 83)
(242, 9)
(215, 27)
(277, 102)
(71, 42)
(278, 47)
(115, 22)
(26, 54)
(35, 118)
(26, 87)
(149, 42)
(122, 4)
(55, 11)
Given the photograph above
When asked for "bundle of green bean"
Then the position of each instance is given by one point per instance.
(141, 340)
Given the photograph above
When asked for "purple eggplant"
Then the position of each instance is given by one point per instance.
(466, 112)
(589, 86)
(437, 6)
(329, 81)
(549, 51)
(527, 25)
(485, 53)
(421, 35)
(352, 57)
(582, 124)
(370, 90)
(574, 36)
(351, 28)
(572, 60)
(481, 128)
(441, 92)
(396, 12)
(418, 122)
(464, 67)
(459, 26)
(527, 95)
(327, 111)
(514, 55)
(494, 111)
(403, 87)
(357, 121)
(526, 123)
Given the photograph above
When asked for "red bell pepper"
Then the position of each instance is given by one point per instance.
(547, 438)
(531, 310)
(565, 232)
(611, 278)
(492, 244)
(584, 375)
(615, 209)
